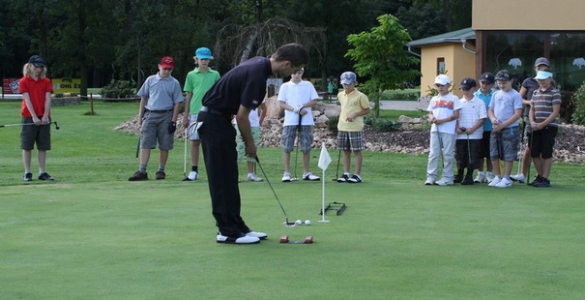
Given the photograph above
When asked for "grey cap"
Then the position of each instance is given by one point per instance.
(541, 61)
(503, 75)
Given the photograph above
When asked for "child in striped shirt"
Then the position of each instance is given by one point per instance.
(544, 111)
(469, 132)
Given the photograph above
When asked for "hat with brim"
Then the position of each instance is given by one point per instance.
(503, 75)
(541, 61)
(487, 77)
(167, 62)
(203, 53)
(37, 61)
(348, 78)
(542, 75)
(467, 83)
(442, 79)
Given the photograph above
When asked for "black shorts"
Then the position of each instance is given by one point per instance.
(543, 142)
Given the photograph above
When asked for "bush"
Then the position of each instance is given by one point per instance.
(383, 125)
(118, 89)
(578, 99)
(332, 125)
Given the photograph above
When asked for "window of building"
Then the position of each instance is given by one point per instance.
(440, 65)
(517, 51)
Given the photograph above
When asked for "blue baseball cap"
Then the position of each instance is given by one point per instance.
(37, 61)
(348, 78)
(203, 53)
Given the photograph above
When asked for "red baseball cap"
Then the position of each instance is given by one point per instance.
(167, 62)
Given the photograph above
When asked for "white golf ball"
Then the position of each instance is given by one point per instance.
(299, 222)
(307, 222)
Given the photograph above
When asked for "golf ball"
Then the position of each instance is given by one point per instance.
(299, 222)
(307, 222)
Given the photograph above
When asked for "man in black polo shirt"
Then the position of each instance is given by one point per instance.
(237, 93)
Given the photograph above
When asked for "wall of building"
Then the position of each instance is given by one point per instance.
(528, 15)
(458, 65)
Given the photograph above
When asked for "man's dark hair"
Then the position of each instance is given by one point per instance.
(293, 52)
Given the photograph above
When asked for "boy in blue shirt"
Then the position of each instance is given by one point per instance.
(485, 93)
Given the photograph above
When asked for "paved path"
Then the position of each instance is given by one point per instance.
(402, 105)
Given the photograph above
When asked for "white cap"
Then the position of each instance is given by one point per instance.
(442, 79)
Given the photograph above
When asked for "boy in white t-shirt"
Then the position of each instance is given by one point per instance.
(443, 114)
(469, 132)
(505, 109)
(297, 97)
(255, 123)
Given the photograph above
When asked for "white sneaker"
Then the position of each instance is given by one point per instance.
(444, 182)
(245, 239)
(489, 177)
(430, 181)
(504, 183)
(286, 177)
(518, 177)
(254, 177)
(193, 175)
(495, 181)
(260, 235)
(480, 178)
(311, 177)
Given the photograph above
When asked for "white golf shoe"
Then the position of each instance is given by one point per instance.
(193, 175)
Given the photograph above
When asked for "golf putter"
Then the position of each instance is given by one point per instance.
(29, 124)
(296, 178)
(185, 155)
(531, 138)
(468, 152)
(138, 147)
(337, 170)
(441, 147)
(286, 222)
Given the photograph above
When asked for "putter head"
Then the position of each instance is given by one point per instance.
(289, 224)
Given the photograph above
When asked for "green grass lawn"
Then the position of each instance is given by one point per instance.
(91, 234)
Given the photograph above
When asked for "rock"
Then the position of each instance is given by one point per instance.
(569, 144)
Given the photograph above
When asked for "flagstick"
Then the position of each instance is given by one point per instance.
(324, 161)
(323, 200)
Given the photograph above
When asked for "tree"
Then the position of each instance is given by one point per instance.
(457, 13)
(237, 43)
(381, 55)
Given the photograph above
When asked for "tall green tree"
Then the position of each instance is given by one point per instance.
(457, 13)
(380, 55)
